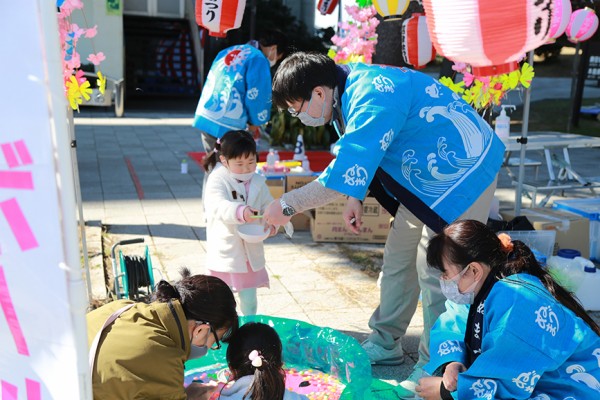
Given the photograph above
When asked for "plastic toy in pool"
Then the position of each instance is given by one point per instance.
(333, 364)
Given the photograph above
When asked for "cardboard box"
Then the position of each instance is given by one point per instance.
(328, 225)
(297, 181)
(572, 230)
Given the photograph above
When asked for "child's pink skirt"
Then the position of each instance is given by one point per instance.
(245, 280)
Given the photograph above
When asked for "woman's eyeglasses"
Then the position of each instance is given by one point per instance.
(217, 344)
(295, 113)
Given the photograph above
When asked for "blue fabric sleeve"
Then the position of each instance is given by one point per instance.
(446, 340)
(258, 91)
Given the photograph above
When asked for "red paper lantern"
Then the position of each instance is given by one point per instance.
(417, 48)
(561, 14)
(582, 26)
(220, 16)
(391, 9)
(491, 36)
(326, 6)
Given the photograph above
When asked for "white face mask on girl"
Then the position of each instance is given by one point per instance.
(451, 291)
(242, 177)
(309, 120)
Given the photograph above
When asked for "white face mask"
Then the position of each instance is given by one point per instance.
(451, 291)
(273, 61)
(242, 177)
(309, 120)
(197, 351)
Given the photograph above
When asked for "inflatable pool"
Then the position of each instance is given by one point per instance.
(321, 363)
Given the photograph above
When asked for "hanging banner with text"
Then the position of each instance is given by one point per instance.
(37, 350)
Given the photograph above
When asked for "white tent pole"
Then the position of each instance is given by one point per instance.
(64, 173)
(523, 141)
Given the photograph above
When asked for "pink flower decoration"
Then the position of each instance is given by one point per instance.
(96, 59)
(459, 67)
(468, 78)
(79, 75)
(91, 32)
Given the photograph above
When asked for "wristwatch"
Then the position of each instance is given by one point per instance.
(286, 209)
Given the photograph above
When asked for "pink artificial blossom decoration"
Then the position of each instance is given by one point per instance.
(96, 59)
(91, 32)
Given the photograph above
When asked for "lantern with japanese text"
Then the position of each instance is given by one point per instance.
(391, 9)
(561, 15)
(491, 36)
(219, 16)
(326, 6)
(417, 48)
(582, 26)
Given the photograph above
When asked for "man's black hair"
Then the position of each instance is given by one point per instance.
(299, 74)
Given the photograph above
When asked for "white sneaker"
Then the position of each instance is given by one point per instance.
(406, 389)
(380, 356)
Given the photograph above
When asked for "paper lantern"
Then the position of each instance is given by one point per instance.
(561, 15)
(582, 26)
(326, 6)
(491, 36)
(219, 16)
(417, 48)
(391, 9)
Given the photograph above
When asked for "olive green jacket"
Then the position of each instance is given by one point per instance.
(141, 355)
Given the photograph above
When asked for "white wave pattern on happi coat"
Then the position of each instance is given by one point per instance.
(475, 137)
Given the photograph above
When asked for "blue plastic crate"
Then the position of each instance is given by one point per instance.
(590, 209)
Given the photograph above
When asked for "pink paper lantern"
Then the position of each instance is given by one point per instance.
(219, 16)
(491, 36)
(326, 6)
(417, 48)
(582, 26)
(561, 15)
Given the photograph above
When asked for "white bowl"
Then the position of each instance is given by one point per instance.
(253, 233)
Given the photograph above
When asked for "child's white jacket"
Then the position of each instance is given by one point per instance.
(226, 251)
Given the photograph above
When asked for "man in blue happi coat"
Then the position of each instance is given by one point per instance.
(415, 146)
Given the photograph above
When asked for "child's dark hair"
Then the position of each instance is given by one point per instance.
(233, 144)
(203, 298)
(261, 341)
(467, 241)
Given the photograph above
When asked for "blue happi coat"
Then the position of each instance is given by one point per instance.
(237, 91)
(533, 347)
(437, 153)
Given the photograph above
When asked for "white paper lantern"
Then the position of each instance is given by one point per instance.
(582, 26)
(417, 48)
(491, 36)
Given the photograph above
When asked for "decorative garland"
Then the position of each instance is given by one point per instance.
(77, 87)
(485, 91)
(356, 39)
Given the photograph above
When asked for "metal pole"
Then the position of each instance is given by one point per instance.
(573, 86)
(523, 141)
(253, 19)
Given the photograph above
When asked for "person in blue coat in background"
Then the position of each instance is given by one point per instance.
(413, 144)
(510, 331)
(237, 91)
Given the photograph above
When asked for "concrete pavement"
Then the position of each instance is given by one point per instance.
(131, 187)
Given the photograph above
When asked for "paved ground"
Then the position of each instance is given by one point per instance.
(131, 185)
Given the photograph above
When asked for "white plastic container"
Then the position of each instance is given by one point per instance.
(588, 291)
(184, 166)
(565, 269)
(271, 158)
(503, 122)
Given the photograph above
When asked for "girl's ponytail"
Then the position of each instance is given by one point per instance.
(210, 160)
(269, 379)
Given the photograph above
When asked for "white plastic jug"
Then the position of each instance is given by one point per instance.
(588, 291)
(565, 270)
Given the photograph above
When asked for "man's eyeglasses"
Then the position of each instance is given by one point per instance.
(295, 113)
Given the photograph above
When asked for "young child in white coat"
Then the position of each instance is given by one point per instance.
(235, 194)
(254, 360)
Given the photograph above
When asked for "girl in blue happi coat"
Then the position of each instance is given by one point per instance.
(510, 331)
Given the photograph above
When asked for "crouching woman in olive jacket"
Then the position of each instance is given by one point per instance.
(138, 350)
